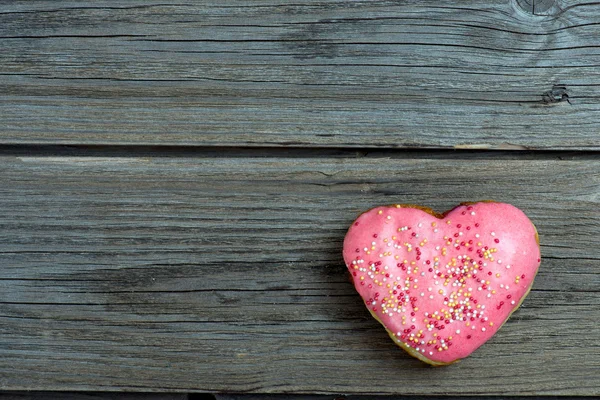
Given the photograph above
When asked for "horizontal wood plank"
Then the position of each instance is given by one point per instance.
(225, 274)
(326, 73)
(94, 396)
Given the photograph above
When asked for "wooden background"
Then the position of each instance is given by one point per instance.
(176, 180)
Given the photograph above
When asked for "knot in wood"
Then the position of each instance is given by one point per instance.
(536, 7)
(557, 94)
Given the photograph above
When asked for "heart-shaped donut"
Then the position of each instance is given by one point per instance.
(442, 284)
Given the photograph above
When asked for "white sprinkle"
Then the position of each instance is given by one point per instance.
(420, 225)
(422, 294)
(431, 353)
(482, 329)
(435, 230)
(507, 266)
(431, 296)
(472, 212)
(493, 233)
(512, 302)
(499, 261)
(477, 235)
(457, 331)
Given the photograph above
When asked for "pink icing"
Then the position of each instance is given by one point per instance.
(460, 280)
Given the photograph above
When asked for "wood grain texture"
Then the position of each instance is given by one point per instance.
(92, 396)
(225, 274)
(327, 73)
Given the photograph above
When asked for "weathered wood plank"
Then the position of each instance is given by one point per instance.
(91, 396)
(308, 73)
(187, 274)
(369, 397)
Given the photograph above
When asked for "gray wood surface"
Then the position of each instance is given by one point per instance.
(93, 396)
(224, 274)
(482, 74)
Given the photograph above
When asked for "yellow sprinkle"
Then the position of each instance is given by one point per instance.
(379, 212)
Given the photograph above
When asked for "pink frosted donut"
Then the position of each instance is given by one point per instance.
(442, 284)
